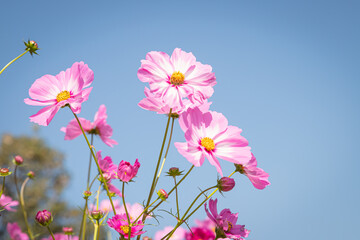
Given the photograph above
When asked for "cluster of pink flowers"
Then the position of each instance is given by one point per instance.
(180, 87)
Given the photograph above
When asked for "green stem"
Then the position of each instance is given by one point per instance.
(157, 165)
(22, 204)
(96, 161)
(83, 221)
(51, 233)
(3, 187)
(88, 178)
(177, 200)
(166, 152)
(13, 61)
(126, 211)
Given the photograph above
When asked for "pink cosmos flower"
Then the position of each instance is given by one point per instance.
(107, 166)
(134, 210)
(208, 135)
(105, 206)
(200, 233)
(120, 223)
(69, 87)
(179, 234)
(6, 203)
(226, 221)
(257, 176)
(98, 127)
(157, 104)
(177, 77)
(61, 236)
(15, 232)
(126, 171)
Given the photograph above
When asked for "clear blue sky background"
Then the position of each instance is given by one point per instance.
(287, 72)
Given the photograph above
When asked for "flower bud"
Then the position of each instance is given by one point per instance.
(174, 171)
(225, 184)
(126, 171)
(31, 46)
(97, 214)
(162, 194)
(4, 172)
(68, 230)
(87, 194)
(18, 160)
(31, 174)
(44, 217)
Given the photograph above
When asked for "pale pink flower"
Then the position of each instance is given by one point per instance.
(120, 223)
(105, 206)
(107, 166)
(226, 221)
(177, 77)
(61, 236)
(134, 210)
(257, 176)
(54, 92)
(126, 171)
(157, 104)
(15, 232)
(6, 202)
(98, 127)
(179, 234)
(208, 135)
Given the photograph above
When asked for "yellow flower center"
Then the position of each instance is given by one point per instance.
(177, 78)
(125, 229)
(208, 143)
(229, 226)
(63, 96)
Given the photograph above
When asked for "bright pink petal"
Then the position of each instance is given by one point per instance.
(100, 114)
(45, 88)
(45, 115)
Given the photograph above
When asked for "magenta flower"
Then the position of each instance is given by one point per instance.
(157, 104)
(61, 236)
(225, 222)
(257, 176)
(107, 166)
(54, 92)
(200, 233)
(98, 127)
(179, 234)
(177, 77)
(126, 171)
(15, 232)
(6, 203)
(120, 223)
(208, 135)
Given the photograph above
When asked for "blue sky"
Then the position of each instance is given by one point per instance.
(287, 74)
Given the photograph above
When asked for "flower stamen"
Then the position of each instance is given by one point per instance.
(177, 78)
(125, 229)
(208, 144)
(64, 95)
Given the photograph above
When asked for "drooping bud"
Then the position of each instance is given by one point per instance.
(4, 172)
(68, 230)
(162, 194)
(97, 214)
(44, 217)
(174, 171)
(18, 160)
(30, 174)
(225, 184)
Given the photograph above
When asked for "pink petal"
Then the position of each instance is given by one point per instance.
(45, 115)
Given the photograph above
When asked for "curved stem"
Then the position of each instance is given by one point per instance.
(52, 235)
(13, 61)
(126, 211)
(96, 161)
(22, 205)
